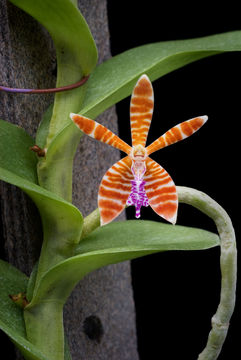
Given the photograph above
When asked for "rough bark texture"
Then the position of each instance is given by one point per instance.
(99, 316)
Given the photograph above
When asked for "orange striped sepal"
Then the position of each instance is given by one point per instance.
(161, 191)
(141, 109)
(99, 132)
(177, 133)
(114, 190)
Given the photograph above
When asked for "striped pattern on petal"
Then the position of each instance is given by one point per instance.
(177, 133)
(114, 190)
(99, 132)
(141, 109)
(161, 191)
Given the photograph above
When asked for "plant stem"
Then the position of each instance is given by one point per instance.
(44, 328)
(91, 222)
(228, 264)
(56, 168)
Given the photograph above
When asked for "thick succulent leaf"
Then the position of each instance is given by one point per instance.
(15, 153)
(116, 242)
(147, 235)
(53, 210)
(13, 281)
(114, 79)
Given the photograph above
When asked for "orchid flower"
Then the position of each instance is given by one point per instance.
(137, 179)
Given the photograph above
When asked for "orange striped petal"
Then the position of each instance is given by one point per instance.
(99, 132)
(114, 190)
(177, 133)
(161, 191)
(141, 110)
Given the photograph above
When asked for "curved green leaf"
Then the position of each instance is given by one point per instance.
(15, 153)
(116, 242)
(62, 222)
(29, 351)
(146, 235)
(114, 79)
(13, 281)
(108, 245)
(62, 227)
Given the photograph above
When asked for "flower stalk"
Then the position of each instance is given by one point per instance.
(228, 263)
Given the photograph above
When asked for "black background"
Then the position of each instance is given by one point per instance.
(176, 293)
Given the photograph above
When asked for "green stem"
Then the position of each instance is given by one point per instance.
(91, 222)
(44, 328)
(44, 320)
(228, 264)
(60, 238)
(55, 170)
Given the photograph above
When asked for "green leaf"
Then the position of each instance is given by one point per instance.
(13, 281)
(116, 242)
(18, 167)
(144, 235)
(62, 222)
(15, 153)
(114, 79)
(62, 227)
(107, 245)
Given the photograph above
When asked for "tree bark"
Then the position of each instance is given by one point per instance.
(99, 315)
